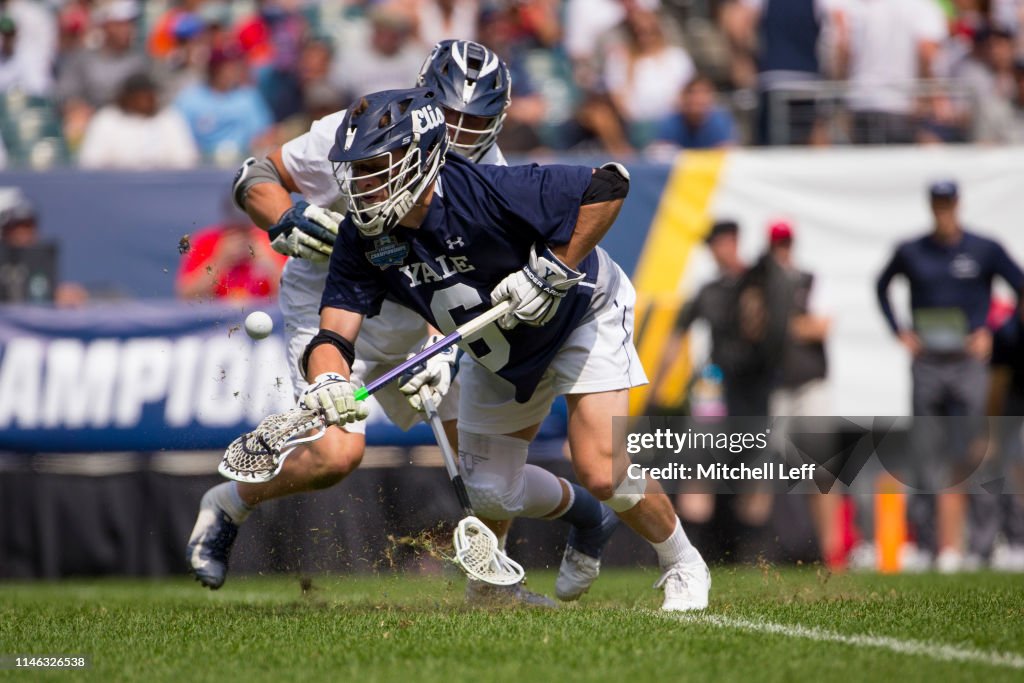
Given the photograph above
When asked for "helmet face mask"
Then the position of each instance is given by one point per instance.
(474, 86)
(388, 151)
(472, 136)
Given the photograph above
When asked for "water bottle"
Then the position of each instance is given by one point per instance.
(708, 395)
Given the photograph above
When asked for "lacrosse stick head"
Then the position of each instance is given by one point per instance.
(478, 553)
(259, 455)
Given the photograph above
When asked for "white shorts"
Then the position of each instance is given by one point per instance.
(598, 356)
(810, 399)
(385, 340)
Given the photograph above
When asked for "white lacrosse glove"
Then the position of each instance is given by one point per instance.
(437, 374)
(536, 290)
(335, 397)
(306, 231)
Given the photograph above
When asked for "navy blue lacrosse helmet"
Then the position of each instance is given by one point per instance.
(474, 84)
(388, 149)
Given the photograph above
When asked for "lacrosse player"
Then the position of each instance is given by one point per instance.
(474, 86)
(447, 239)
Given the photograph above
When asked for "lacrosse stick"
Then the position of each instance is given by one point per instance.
(476, 546)
(259, 455)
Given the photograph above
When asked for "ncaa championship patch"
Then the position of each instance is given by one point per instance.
(387, 252)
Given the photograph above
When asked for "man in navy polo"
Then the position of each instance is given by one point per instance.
(950, 273)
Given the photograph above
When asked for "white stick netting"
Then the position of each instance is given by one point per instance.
(476, 549)
(259, 455)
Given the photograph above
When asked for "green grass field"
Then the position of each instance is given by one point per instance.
(764, 624)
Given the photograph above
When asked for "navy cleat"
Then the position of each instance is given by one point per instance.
(210, 545)
(581, 562)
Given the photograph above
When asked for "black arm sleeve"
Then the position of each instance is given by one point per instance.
(605, 186)
(345, 347)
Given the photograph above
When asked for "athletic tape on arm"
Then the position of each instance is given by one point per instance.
(253, 172)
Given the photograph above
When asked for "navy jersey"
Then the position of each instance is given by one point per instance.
(949, 276)
(481, 225)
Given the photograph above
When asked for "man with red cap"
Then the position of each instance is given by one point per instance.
(801, 388)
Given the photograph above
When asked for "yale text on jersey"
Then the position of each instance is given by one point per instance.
(443, 268)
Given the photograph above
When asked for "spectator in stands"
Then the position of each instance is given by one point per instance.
(587, 22)
(74, 22)
(92, 77)
(699, 123)
(501, 31)
(780, 41)
(313, 95)
(35, 50)
(883, 47)
(19, 232)
(538, 23)
(273, 37)
(989, 76)
(163, 38)
(232, 260)
(644, 75)
(950, 272)
(186, 63)
(272, 40)
(227, 116)
(286, 90)
(136, 133)
(17, 70)
(439, 20)
(381, 58)
(597, 126)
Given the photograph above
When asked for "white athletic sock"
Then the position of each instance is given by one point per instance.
(676, 548)
(227, 498)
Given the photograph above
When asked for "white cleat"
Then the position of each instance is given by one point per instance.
(913, 559)
(209, 547)
(1008, 558)
(576, 574)
(863, 558)
(686, 586)
(949, 561)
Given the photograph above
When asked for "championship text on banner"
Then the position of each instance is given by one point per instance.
(143, 376)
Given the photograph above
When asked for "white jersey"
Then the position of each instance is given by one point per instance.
(384, 339)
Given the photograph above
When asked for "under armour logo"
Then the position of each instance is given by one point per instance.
(457, 242)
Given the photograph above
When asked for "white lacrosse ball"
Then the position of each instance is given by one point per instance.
(258, 325)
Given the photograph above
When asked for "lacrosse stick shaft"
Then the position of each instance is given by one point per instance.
(446, 451)
(466, 330)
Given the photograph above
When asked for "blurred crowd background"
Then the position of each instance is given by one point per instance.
(192, 82)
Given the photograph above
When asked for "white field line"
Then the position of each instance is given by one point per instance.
(936, 651)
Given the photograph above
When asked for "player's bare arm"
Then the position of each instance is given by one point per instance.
(265, 202)
(537, 289)
(595, 219)
(327, 364)
(262, 189)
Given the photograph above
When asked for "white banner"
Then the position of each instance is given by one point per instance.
(850, 208)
